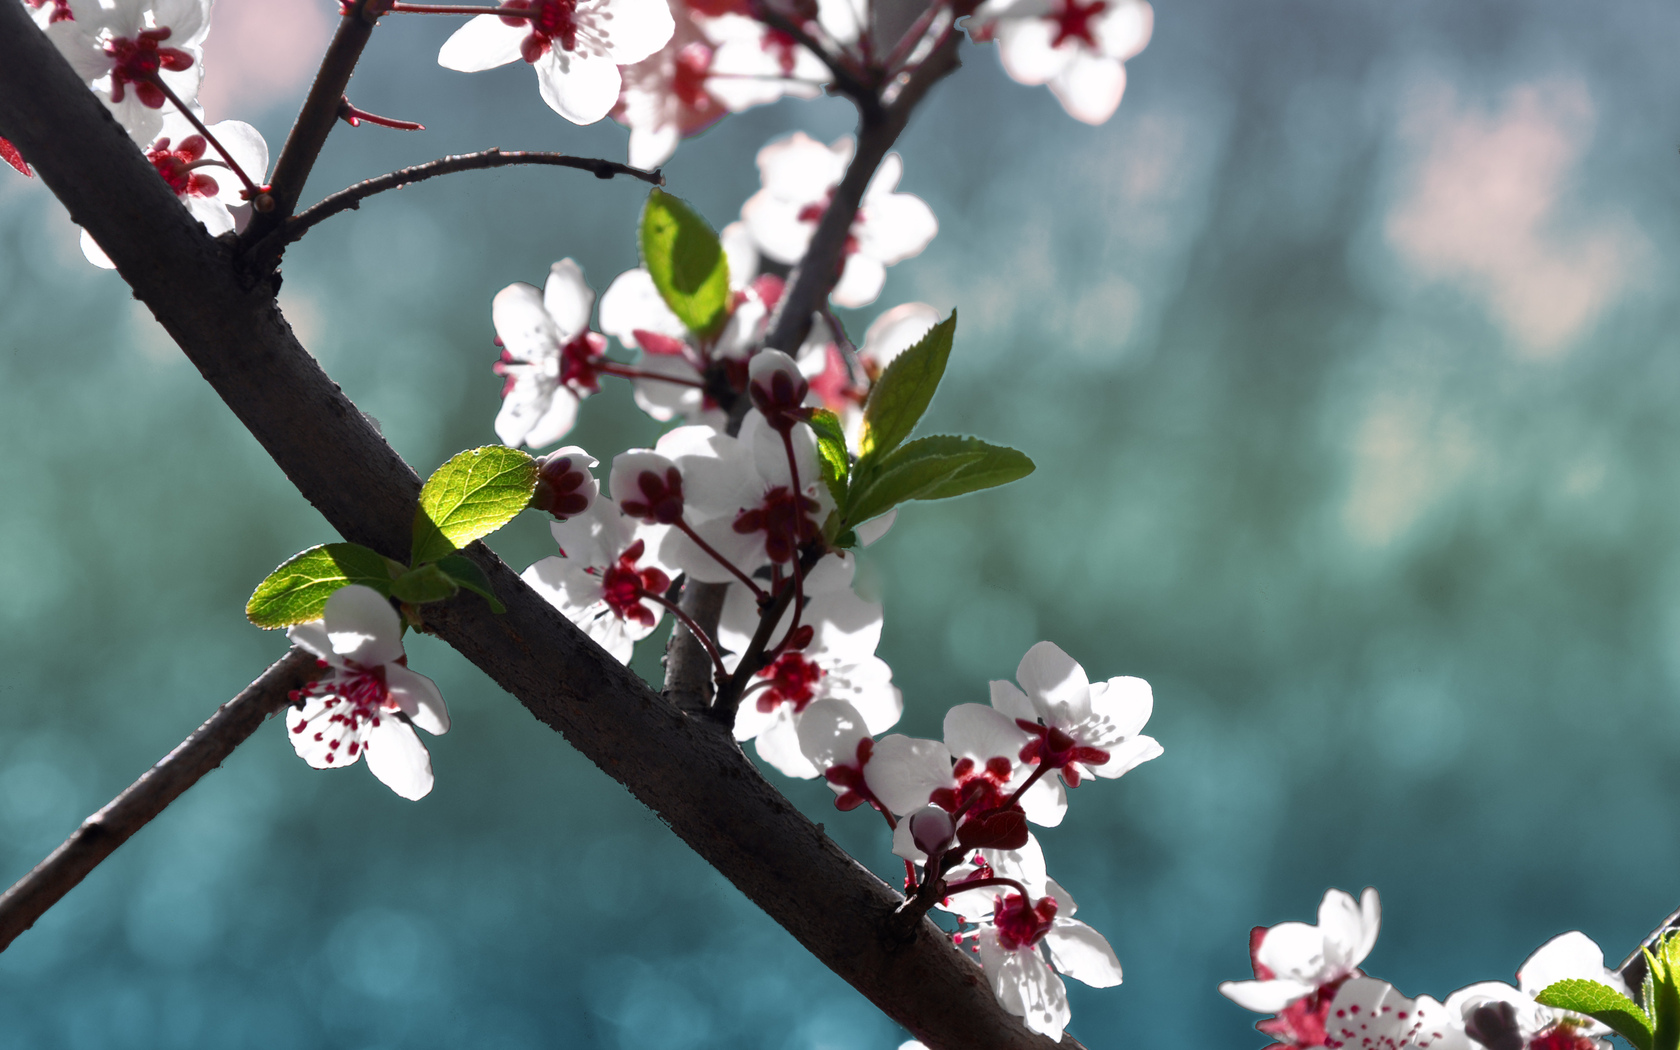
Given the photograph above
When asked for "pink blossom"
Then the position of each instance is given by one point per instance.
(1299, 968)
(1078, 47)
(368, 702)
(550, 358)
(606, 568)
(124, 49)
(668, 96)
(800, 175)
(576, 47)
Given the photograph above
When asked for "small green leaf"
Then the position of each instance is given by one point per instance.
(898, 399)
(471, 496)
(686, 261)
(1604, 1004)
(931, 468)
(466, 573)
(831, 451)
(428, 583)
(298, 590)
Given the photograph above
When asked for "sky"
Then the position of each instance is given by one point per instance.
(1347, 355)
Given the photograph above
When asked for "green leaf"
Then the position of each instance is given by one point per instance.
(1604, 1004)
(428, 583)
(466, 573)
(898, 399)
(831, 452)
(298, 590)
(686, 261)
(471, 496)
(931, 468)
(1662, 999)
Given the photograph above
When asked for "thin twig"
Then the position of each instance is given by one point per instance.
(99, 836)
(814, 278)
(351, 197)
(752, 660)
(314, 121)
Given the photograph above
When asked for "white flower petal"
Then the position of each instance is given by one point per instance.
(523, 324)
(895, 227)
(1090, 87)
(779, 746)
(397, 757)
(904, 771)
(1265, 997)
(1082, 953)
(568, 299)
(1056, 683)
(582, 88)
(483, 43)
(860, 282)
(362, 626)
(1026, 49)
(420, 699)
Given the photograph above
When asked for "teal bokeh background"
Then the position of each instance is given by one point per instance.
(1347, 351)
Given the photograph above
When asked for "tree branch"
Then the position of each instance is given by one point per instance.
(814, 278)
(99, 836)
(688, 770)
(866, 96)
(315, 120)
(351, 197)
(688, 667)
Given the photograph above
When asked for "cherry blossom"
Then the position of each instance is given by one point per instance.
(601, 580)
(368, 702)
(668, 95)
(1501, 1017)
(1020, 937)
(672, 363)
(831, 656)
(1368, 1014)
(1298, 968)
(835, 740)
(199, 175)
(125, 49)
(576, 47)
(800, 175)
(744, 510)
(1082, 729)
(975, 772)
(1078, 47)
(753, 64)
(550, 358)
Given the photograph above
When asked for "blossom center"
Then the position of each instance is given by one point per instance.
(850, 777)
(793, 681)
(549, 21)
(580, 363)
(623, 586)
(785, 519)
(1020, 925)
(1056, 749)
(813, 213)
(1073, 22)
(688, 79)
(177, 166)
(138, 60)
(361, 694)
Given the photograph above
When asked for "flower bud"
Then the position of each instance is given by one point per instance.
(932, 829)
(565, 488)
(648, 486)
(777, 388)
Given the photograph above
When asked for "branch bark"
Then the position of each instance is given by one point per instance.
(687, 769)
(116, 822)
(878, 129)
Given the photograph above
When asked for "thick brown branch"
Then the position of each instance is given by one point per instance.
(316, 119)
(1633, 967)
(351, 197)
(100, 835)
(687, 770)
(817, 273)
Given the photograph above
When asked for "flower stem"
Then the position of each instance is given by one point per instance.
(694, 628)
(252, 190)
(688, 530)
(626, 372)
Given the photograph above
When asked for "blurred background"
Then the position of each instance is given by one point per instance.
(1347, 354)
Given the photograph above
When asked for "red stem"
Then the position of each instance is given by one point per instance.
(354, 117)
(688, 530)
(694, 628)
(626, 372)
(251, 188)
(455, 9)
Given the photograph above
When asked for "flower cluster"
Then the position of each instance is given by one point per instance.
(1308, 978)
(144, 59)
